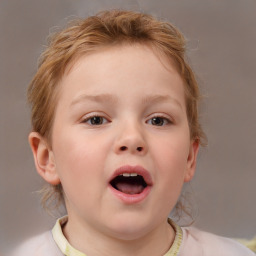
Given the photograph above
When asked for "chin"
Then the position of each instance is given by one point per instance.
(129, 228)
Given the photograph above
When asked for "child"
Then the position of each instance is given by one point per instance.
(116, 134)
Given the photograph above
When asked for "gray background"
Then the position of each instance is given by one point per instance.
(222, 50)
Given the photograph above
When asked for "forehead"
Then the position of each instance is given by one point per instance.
(127, 66)
(125, 51)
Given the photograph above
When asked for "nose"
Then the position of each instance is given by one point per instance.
(131, 139)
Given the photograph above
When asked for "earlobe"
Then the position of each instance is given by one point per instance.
(191, 161)
(44, 158)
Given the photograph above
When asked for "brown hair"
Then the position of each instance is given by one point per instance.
(86, 35)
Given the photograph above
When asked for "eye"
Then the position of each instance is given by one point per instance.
(159, 121)
(95, 120)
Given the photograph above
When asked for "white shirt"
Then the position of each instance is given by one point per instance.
(188, 241)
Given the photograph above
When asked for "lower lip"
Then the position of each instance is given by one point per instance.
(131, 198)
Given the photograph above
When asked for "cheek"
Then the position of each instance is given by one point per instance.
(79, 176)
(80, 160)
(172, 153)
(73, 162)
(79, 148)
(171, 163)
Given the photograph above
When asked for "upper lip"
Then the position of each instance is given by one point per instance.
(133, 169)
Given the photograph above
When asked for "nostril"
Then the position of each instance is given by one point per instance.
(123, 148)
(139, 149)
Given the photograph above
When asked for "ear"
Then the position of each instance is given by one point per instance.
(191, 161)
(44, 158)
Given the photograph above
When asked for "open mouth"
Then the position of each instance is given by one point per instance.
(129, 183)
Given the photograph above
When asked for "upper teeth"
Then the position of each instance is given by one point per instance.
(129, 174)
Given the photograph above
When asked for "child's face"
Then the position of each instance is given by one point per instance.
(122, 110)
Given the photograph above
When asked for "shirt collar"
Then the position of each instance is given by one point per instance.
(61, 241)
(67, 249)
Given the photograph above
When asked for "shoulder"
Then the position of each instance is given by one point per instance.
(41, 245)
(207, 244)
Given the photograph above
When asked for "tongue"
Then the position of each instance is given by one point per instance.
(129, 188)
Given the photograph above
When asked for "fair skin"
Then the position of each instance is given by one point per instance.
(120, 110)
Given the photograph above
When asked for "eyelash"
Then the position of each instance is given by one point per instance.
(163, 120)
(166, 121)
(90, 118)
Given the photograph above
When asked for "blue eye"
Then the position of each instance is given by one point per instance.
(159, 121)
(95, 120)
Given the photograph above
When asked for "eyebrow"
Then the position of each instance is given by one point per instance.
(160, 98)
(96, 98)
(112, 99)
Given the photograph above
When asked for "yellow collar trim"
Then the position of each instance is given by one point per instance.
(175, 248)
(67, 249)
(59, 238)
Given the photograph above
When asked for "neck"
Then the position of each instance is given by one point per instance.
(91, 242)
